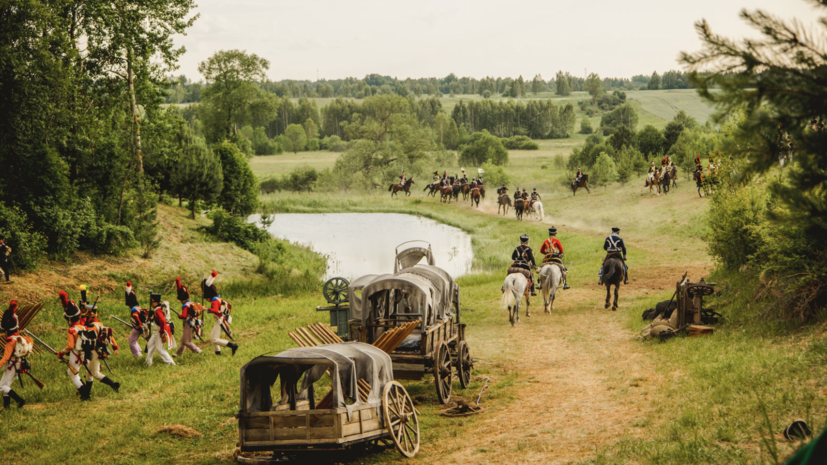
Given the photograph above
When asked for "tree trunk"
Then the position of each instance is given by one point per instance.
(193, 203)
(136, 135)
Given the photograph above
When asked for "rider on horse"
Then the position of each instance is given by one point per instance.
(517, 193)
(614, 246)
(578, 176)
(535, 196)
(502, 190)
(524, 263)
(524, 195)
(552, 251)
(402, 179)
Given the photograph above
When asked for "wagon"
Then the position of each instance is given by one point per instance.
(364, 404)
(415, 292)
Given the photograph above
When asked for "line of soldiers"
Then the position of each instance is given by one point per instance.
(446, 180)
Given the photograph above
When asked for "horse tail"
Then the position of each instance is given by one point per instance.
(508, 293)
(540, 210)
(608, 270)
(390, 187)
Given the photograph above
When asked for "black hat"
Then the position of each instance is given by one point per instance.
(535, 189)
(524, 238)
(552, 231)
(9, 322)
(153, 297)
(615, 229)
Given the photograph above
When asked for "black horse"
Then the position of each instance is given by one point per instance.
(613, 274)
(519, 208)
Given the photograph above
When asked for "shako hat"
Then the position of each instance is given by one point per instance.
(615, 229)
(552, 231)
(9, 321)
(524, 238)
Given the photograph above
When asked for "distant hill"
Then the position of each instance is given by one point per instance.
(664, 104)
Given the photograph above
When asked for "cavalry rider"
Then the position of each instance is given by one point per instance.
(191, 316)
(664, 162)
(524, 195)
(137, 317)
(517, 194)
(614, 246)
(535, 196)
(578, 176)
(697, 161)
(161, 332)
(104, 338)
(211, 294)
(73, 348)
(502, 190)
(14, 358)
(402, 178)
(464, 176)
(552, 251)
(524, 263)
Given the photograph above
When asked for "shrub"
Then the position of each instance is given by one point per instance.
(28, 246)
(520, 143)
(313, 144)
(604, 170)
(239, 195)
(486, 94)
(495, 176)
(231, 228)
(333, 143)
(482, 148)
(586, 126)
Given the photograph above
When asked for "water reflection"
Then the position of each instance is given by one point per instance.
(357, 244)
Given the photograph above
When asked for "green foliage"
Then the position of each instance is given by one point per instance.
(313, 145)
(604, 171)
(623, 136)
(301, 179)
(333, 143)
(586, 126)
(197, 175)
(650, 141)
(311, 129)
(259, 142)
(520, 143)
(297, 136)
(486, 94)
(559, 161)
(239, 196)
(625, 162)
(586, 155)
(593, 85)
(623, 115)
(692, 142)
(142, 220)
(654, 82)
(483, 148)
(28, 246)
(495, 176)
(639, 164)
(538, 119)
(227, 227)
(563, 84)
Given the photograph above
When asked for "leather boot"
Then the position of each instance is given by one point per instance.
(565, 284)
(6, 402)
(83, 391)
(115, 386)
(20, 402)
(233, 346)
(533, 292)
(217, 352)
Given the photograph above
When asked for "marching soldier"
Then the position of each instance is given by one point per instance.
(523, 258)
(104, 338)
(190, 314)
(216, 309)
(160, 332)
(137, 317)
(14, 358)
(5, 268)
(552, 251)
(73, 348)
(614, 246)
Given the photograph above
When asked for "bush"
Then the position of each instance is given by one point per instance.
(520, 143)
(302, 179)
(333, 143)
(495, 176)
(114, 240)
(604, 171)
(482, 148)
(486, 94)
(559, 161)
(240, 193)
(28, 246)
(586, 126)
(231, 228)
(313, 144)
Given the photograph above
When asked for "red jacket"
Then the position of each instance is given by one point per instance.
(136, 319)
(548, 248)
(215, 306)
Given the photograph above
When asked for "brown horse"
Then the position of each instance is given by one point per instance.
(434, 188)
(447, 193)
(584, 183)
(613, 274)
(475, 196)
(653, 183)
(465, 189)
(482, 191)
(406, 188)
(673, 173)
(519, 208)
(504, 201)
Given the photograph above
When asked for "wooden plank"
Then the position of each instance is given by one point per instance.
(257, 422)
(370, 425)
(351, 429)
(309, 336)
(253, 435)
(310, 442)
(289, 433)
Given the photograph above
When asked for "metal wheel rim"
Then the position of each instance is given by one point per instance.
(401, 419)
(443, 376)
(335, 290)
(464, 364)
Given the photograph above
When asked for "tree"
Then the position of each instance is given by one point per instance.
(197, 174)
(687, 121)
(231, 75)
(671, 133)
(586, 125)
(537, 84)
(623, 115)
(311, 129)
(594, 86)
(639, 164)
(654, 82)
(562, 83)
(626, 162)
(239, 195)
(297, 136)
(568, 119)
(604, 170)
(484, 148)
(623, 136)
(650, 141)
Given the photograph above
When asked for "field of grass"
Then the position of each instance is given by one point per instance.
(278, 165)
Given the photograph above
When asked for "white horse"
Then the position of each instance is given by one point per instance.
(539, 213)
(550, 279)
(514, 289)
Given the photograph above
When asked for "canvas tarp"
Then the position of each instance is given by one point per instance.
(354, 298)
(419, 292)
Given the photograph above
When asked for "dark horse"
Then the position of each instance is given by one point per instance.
(434, 188)
(406, 188)
(673, 173)
(475, 196)
(666, 181)
(455, 191)
(482, 191)
(519, 208)
(584, 183)
(613, 271)
(704, 183)
(503, 201)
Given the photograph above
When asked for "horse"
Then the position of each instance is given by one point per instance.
(613, 272)
(665, 180)
(406, 188)
(653, 182)
(537, 208)
(482, 191)
(673, 173)
(550, 279)
(434, 188)
(455, 191)
(447, 193)
(514, 288)
(465, 189)
(704, 183)
(475, 196)
(519, 208)
(584, 182)
(503, 201)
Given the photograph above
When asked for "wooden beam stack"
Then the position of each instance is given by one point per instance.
(314, 335)
(390, 339)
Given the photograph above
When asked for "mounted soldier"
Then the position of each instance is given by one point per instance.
(614, 247)
(74, 344)
(436, 176)
(578, 176)
(524, 194)
(220, 309)
(664, 162)
(104, 338)
(402, 178)
(191, 316)
(479, 176)
(698, 161)
(14, 360)
(535, 196)
(137, 317)
(524, 262)
(552, 251)
(517, 194)
(502, 190)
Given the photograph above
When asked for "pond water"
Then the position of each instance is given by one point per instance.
(357, 244)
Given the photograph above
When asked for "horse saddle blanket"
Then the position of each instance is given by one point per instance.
(516, 269)
(550, 259)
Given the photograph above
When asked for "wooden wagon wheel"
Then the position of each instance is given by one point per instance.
(701, 290)
(401, 419)
(335, 290)
(464, 364)
(442, 373)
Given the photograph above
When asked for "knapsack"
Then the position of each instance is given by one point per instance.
(22, 347)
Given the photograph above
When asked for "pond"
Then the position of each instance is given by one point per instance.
(357, 244)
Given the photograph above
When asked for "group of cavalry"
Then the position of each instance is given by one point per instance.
(90, 344)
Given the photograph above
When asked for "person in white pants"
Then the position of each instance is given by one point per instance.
(210, 293)
(160, 332)
(13, 356)
(73, 349)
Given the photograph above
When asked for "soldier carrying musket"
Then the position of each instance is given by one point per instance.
(14, 360)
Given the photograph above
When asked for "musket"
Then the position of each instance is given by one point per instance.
(46, 346)
(107, 365)
(194, 332)
(118, 319)
(226, 331)
(36, 381)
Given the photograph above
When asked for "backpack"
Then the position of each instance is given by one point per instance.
(22, 347)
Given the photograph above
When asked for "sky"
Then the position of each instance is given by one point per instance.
(304, 39)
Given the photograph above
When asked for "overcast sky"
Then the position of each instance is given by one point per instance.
(477, 38)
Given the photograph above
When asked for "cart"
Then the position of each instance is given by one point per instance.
(364, 403)
(415, 292)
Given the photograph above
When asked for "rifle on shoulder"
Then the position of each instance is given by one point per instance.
(53, 351)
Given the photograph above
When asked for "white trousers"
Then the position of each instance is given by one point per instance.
(94, 365)
(74, 362)
(9, 374)
(155, 344)
(215, 336)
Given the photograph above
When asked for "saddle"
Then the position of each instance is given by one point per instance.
(549, 258)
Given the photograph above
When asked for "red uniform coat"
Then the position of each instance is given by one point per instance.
(549, 244)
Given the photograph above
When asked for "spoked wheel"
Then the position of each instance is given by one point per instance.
(335, 290)
(401, 419)
(464, 364)
(442, 373)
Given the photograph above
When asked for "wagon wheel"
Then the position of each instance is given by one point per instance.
(464, 364)
(442, 373)
(701, 290)
(335, 290)
(401, 419)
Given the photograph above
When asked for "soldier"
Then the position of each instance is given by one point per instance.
(14, 358)
(614, 246)
(402, 178)
(578, 175)
(535, 196)
(73, 348)
(104, 338)
(517, 193)
(217, 309)
(137, 317)
(192, 322)
(552, 251)
(523, 258)
(524, 195)
(502, 190)
(160, 332)
(5, 268)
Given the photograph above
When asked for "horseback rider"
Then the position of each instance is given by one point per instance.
(524, 195)
(517, 193)
(578, 176)
(664, 162)
(535, 196)
(552, 251)
(402, 178)
(479, 180)
(524, 263)
(615, 248)
(502, 190)
(464, 176)
(698, 161)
